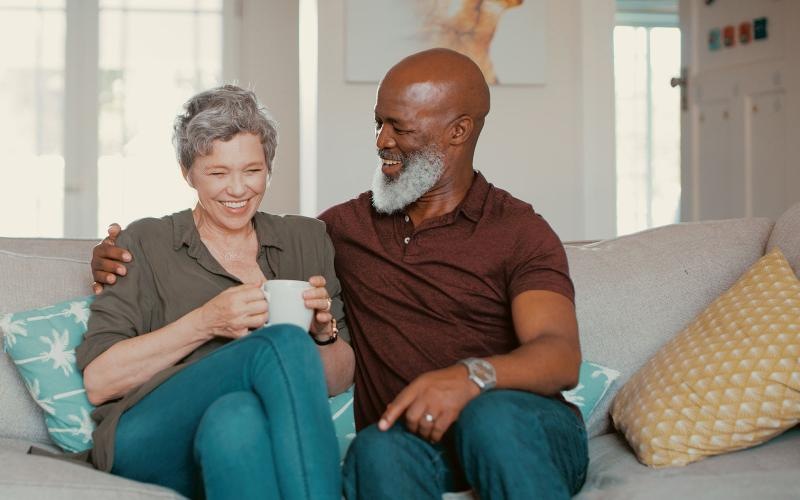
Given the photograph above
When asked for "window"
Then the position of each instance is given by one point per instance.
(646, 55)
(147, 57)
(32, 100)
(153, 56)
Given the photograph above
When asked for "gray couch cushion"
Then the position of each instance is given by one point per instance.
(635, 292)
(34, 477)
(35, 273)
(786, 235)
(766, 471)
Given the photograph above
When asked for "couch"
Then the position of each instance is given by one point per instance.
(633, 293)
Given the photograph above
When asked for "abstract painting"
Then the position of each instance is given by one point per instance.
(506, 38)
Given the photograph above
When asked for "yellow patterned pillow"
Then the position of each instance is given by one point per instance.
(729, 380)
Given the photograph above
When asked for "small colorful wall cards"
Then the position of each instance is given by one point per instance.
(746, 32)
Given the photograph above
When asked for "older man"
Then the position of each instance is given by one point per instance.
(459, 304)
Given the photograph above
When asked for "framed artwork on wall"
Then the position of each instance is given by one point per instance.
(506, 38)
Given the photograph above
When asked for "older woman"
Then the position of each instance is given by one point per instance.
(192, 392)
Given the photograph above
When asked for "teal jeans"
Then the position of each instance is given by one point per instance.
(505, 445)
(250, 420)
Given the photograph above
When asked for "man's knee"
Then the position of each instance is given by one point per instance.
(230, 424)
(383, 450)
(493, 417)
(393, 464)
(503, 436)
(371, 446)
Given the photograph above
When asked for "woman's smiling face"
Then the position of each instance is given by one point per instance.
(230, 181)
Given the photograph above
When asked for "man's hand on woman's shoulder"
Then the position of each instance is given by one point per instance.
(108, 260)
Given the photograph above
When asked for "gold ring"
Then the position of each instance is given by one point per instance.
(330, 301)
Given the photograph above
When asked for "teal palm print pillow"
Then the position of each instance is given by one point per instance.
(594, 382)
(343, 421)
(42, 343)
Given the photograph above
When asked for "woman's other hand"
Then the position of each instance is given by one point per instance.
(319, 300)
(234, 312)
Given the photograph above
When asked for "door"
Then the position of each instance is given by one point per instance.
(740, 125)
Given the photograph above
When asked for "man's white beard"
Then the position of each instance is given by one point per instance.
(421, 171)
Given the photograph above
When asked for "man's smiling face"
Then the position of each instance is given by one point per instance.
(408, 137)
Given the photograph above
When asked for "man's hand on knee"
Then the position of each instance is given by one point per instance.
(432, 402)
(108, 260)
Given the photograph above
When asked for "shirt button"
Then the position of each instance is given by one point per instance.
(406, 218)
(406, 240)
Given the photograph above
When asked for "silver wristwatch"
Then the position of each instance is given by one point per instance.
(481, 372)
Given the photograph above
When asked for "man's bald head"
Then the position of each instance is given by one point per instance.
(442, 80)
(428, 116)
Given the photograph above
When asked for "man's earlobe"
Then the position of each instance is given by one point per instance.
(461, 130)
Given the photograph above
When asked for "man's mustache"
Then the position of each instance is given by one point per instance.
(385, 154)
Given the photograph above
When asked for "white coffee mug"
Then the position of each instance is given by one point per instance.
(286, 303)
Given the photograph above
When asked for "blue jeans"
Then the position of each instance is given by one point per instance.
(250, 420)
(505, 444)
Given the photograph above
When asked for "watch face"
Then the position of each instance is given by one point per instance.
(482, 373)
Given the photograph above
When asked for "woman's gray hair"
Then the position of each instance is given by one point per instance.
(220, 114)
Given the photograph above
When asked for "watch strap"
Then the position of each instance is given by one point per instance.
(330, 340)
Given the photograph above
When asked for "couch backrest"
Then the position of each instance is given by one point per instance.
(635, 292)
(34, 273)
(786, 236)
(632, 293)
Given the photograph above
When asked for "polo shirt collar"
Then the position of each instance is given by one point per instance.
(472, 204)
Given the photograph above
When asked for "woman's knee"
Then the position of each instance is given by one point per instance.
(285, 337)
(230, 424)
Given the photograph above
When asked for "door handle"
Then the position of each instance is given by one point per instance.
(682, 82)
(676, 81)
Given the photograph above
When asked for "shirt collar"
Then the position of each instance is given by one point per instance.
(184, 231)
(267, 230)
(472, 204)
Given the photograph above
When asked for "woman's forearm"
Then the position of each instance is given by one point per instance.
(338, 362)
(132, 362)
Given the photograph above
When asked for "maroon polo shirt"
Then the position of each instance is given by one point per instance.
(423, 298)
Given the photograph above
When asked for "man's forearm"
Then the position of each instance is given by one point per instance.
(546, 365)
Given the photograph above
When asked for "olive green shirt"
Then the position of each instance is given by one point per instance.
(173, 273)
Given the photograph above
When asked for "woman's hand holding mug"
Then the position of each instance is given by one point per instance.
(235, 312)
(319, 300)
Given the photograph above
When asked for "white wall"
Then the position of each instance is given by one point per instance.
(268, 63)
(550, 145)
